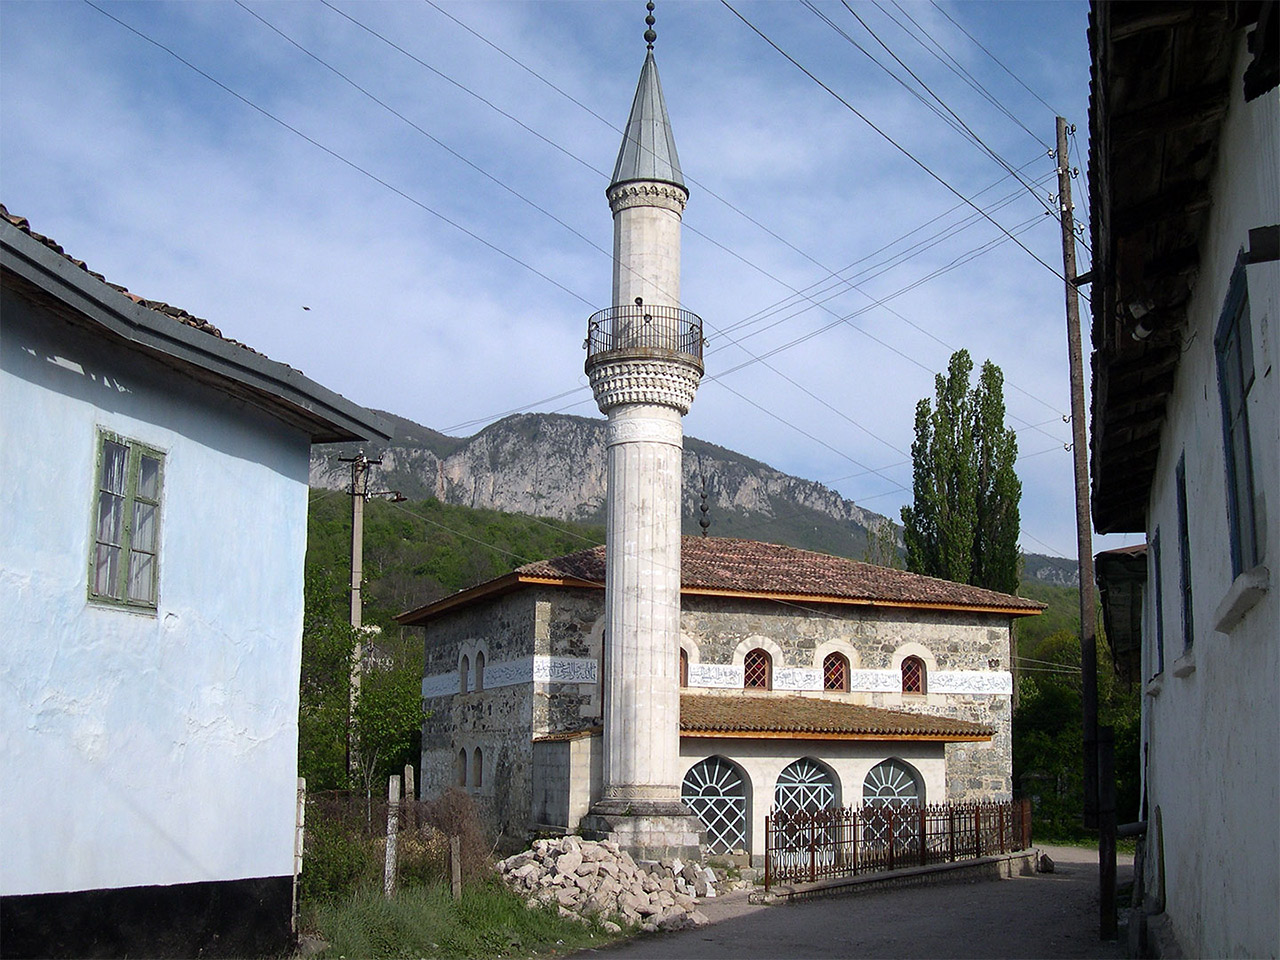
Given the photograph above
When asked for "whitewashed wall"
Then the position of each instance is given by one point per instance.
(143, 749)
(849, 760)
(1212, 719)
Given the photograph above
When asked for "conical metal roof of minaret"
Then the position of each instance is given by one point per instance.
(649, 147)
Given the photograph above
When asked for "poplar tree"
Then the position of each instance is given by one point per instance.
(963, 522)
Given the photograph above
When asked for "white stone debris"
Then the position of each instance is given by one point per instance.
(585, 878)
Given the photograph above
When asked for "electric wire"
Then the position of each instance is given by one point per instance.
(901, 149)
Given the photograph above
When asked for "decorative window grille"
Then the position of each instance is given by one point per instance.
(890, 786)
(835, 672)
(464, 669)
(757, 672)
(477, 769)
(715, 792)
(684, 668)
(125, 564)
(804, 786)
(479, 671)
(913, 675)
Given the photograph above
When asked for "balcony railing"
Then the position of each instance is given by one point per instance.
(644, 327)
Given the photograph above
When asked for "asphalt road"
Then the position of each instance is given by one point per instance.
(1046, 915)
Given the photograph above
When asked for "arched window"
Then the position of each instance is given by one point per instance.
(892, 781)
(835, 672)
(804, 786)
(757, 671)
(477, 769)
(461, 772)
(892, 787)
(684, 668)
(717, 794)
(464, 668)
(913, 675)
(480, 671)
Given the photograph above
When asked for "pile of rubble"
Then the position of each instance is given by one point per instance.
(589, 879)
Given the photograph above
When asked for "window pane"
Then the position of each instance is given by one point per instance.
(149, 478)
(110, 518)
(142, 577)
(114, 459)
(144, 527)
(106, 570)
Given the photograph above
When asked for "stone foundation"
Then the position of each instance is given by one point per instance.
(652, 830)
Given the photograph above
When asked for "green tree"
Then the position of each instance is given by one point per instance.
(882, 545)
(963, 522)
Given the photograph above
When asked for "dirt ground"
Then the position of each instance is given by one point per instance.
(1046, 915)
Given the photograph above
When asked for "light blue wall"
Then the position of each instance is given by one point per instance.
(144, 748)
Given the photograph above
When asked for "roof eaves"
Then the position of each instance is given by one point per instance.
(224, 364)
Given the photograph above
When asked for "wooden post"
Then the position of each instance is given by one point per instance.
(455, 866)
(410, 798)
(393, 827)
(299, 838)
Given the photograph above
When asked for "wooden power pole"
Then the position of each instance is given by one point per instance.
(1084, 549)
(359, 492)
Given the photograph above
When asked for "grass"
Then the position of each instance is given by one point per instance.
(424, 921)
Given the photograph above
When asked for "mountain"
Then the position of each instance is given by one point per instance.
(553, 465)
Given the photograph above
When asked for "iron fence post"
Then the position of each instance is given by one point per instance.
(951, 830)
(768, 857)
(977, 830)
(855, 841)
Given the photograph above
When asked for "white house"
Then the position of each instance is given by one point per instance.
(1184, 171)
(154, 518)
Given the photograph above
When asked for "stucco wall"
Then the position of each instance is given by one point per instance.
(849, 762)
(144, 748)
(1211, 718)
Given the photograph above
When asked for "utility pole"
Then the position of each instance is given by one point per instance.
(1084, 538)
(359, 491)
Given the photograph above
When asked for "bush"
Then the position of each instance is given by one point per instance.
(336, 858)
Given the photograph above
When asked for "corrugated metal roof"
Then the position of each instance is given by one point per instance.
(648, 146)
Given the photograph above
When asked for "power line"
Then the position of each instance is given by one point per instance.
(996, 59)
(339, 157)
(901, 149)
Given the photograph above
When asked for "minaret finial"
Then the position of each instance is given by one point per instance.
(650, 34)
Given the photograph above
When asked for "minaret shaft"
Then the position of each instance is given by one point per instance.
(644, 361)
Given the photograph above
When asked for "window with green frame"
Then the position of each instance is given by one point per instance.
(125, 563)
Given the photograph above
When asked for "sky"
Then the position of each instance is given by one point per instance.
(405, 201)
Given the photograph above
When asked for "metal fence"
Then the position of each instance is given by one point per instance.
(632, 326)
(845, 841)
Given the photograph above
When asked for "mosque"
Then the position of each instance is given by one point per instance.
(668, 691)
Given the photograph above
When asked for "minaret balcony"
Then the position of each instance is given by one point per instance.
(644, 331)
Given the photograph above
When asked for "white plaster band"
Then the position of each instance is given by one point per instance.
(644, 430)
(509, 673)
(728, 676)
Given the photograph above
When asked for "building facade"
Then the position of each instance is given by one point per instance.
(1186, 444)
(155, 522)
(804, 678)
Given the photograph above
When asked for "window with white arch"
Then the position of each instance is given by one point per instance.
(464, 668)
(892, 781)
(804, 786)
(715, 791)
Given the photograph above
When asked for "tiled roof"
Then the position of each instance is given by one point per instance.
(723, 565)
(811, 717)
(176, 313)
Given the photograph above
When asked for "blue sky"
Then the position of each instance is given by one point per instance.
(449, 280)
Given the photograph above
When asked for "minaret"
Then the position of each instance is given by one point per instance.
(644, 361)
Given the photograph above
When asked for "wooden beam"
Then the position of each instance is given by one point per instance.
(1169, 204)
(1202, 105)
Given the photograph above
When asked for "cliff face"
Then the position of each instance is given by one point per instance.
(551, 465)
